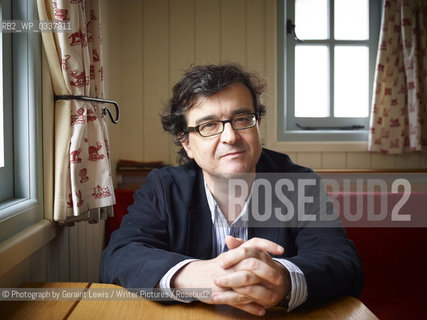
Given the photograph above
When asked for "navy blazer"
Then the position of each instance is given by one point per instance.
(170, 221)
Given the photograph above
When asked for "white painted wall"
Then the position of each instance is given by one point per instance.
(153, 41)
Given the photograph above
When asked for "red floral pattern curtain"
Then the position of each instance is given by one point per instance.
(83, 188)
(399, 115)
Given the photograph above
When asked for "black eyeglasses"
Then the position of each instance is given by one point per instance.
(238, 122)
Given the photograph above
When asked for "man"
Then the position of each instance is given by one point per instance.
(184, 230)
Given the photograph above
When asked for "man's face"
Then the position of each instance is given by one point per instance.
(232, 151)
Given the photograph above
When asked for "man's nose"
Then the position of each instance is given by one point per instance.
(229, 135)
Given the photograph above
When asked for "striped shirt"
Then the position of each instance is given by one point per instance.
(221, 228)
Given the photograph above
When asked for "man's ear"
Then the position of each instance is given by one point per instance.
(186, 144)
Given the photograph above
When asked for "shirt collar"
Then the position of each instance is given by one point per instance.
(216, 213)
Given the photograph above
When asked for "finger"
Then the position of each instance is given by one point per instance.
(244, 295)
(231, 298)
(262, 270)
(237, 279)
(232, 257)
(259, 294)
(233, 242)
(265, 245)
(250, 248)
(265, 270)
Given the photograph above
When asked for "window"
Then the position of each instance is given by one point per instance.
(327, 51)
(20, 176)
(6, 159)
(1, 106)
(1, 103)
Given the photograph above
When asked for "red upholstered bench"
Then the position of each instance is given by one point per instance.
(394, 258)
(124, 198)
(394, 261)
(395, 265)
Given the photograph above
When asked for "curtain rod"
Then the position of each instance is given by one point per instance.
(85, 98)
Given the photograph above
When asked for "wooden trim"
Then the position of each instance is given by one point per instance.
(133, 172)
(371, 171)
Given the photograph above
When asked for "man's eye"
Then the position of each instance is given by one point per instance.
(209, 126)
(243, 119)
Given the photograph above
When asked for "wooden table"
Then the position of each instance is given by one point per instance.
(343, 308)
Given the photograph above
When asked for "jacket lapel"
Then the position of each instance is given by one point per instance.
(199, 239)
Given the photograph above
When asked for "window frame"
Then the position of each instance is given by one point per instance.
(286, 122)
(25, 209)
(6, 172)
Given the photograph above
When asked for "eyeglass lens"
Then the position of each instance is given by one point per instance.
(238, 122)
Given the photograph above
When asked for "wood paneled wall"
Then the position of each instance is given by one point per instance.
(153, 41)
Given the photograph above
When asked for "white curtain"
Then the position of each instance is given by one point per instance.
(83, 188)
(399, 112)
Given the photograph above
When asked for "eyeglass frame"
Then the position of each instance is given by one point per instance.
(197, 128)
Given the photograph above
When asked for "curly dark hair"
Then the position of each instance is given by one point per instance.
(205, 81)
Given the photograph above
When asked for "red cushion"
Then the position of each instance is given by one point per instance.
(124, 198)
(395, 265)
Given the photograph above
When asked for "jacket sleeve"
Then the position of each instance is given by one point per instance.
(138, 254)
(330, 264)
(328, 259)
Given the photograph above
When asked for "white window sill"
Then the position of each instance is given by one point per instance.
(25, 243)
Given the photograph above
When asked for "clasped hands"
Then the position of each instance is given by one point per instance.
(245, 277)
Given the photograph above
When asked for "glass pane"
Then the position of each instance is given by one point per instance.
(311, 81)
(351, 92)
(311, 19)
(351, 19)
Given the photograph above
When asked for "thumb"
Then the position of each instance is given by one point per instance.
(233, 242)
